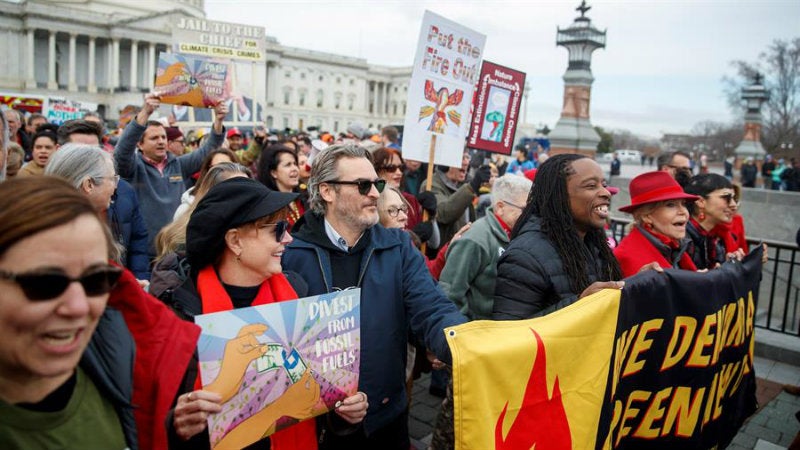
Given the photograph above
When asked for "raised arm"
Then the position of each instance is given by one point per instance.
(125, 151)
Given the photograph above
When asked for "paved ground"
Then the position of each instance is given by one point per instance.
(772, 427)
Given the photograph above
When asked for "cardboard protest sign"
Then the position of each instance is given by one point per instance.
(440, 93)
(192, 35)
(59, 109)
(191, 80)
(665, 363)
(278, 364)
(496, 109)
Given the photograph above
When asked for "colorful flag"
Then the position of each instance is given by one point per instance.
(665, 363)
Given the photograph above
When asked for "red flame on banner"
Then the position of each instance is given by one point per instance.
(541, 422)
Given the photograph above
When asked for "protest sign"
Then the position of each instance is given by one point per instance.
(665, 363)
(445, 71)
(192, 35)
(22, 102)
(59, 109)
(496, 108)
(278, 364)
(191, 80)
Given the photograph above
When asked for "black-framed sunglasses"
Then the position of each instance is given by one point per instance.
(47, 285)
(393, 167)
(280, 228)
(364, 186)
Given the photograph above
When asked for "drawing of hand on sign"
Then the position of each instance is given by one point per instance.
(298, 401)
(239, 353)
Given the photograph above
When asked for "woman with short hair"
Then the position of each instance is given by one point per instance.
(660, 216)
(716, 204)
(234, 242)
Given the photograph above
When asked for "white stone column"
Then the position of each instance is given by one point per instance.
(525, 107)
(114, 64)
(91, 84)
(385, 102)
(30, 76)
(51, 62)
(366, 96)
(72, 85)
(151, 66)
(134, 66)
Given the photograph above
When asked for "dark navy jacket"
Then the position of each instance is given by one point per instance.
(129, 229)
(108, 361)
(397, 291)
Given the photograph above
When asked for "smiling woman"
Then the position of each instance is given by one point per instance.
(658, 205)
(716, 204)
(54, 284)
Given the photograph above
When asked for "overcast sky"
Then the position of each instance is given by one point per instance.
(660, 72)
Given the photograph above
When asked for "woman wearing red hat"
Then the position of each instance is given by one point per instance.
(660, 215)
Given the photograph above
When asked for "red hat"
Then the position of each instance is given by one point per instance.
(173, 133)
(654, 187)
(234, 132)
(530, 174)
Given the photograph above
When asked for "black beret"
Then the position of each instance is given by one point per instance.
(227, 205)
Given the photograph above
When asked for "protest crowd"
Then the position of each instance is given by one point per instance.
(157, 225)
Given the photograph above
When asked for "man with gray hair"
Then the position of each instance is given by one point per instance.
(338, 245)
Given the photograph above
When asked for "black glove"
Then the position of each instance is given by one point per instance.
(424, 230)
(427, 200)
(481, 177)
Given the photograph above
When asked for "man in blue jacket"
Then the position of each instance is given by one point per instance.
(159, 177)
(338, 244)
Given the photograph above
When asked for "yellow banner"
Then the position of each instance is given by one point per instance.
(549, 398)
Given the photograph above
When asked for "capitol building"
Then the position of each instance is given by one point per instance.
(104, 52)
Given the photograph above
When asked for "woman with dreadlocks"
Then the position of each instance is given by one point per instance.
(558, 251)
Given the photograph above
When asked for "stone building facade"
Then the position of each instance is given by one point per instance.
(105, 52)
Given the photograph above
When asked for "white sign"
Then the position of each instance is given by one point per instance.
(446, 69)
(219, 39)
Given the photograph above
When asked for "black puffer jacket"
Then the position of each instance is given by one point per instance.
(530, 276)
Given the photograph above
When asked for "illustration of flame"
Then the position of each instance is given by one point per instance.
(541, 422)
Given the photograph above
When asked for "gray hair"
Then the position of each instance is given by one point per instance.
(508, 187)
(324, 169)
(78, 162)
(3, 143)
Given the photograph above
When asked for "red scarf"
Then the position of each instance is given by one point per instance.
(732, 234)
(685, 262)
(275, 289)
(717, 233)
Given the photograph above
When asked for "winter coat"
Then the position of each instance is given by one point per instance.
(136, 357)
(469, 275)
(159, 193)
(397, 292)
(637, 249)
(531, 279)
(701, 246)
(453, 206)
(129, 229)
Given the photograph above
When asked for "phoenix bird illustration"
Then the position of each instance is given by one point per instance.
(442, 99)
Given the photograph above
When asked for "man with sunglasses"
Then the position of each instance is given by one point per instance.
(678, 164)
(339, 244)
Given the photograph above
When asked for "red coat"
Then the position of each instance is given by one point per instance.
(636, 250)
(164, 346)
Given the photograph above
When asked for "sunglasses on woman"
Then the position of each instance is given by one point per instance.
(393, 167)
(280, 228)
(364, 186)
(47, 285)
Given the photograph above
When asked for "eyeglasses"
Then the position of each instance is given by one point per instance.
(47, 285)
(393, 167)
(515, 206)
(280, 228)
(393, 211)
(729, 198)
(688, 169)
(364, 186)
(114, 178)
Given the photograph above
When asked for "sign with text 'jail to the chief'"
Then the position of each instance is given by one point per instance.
(219, 39)
(446, 69)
